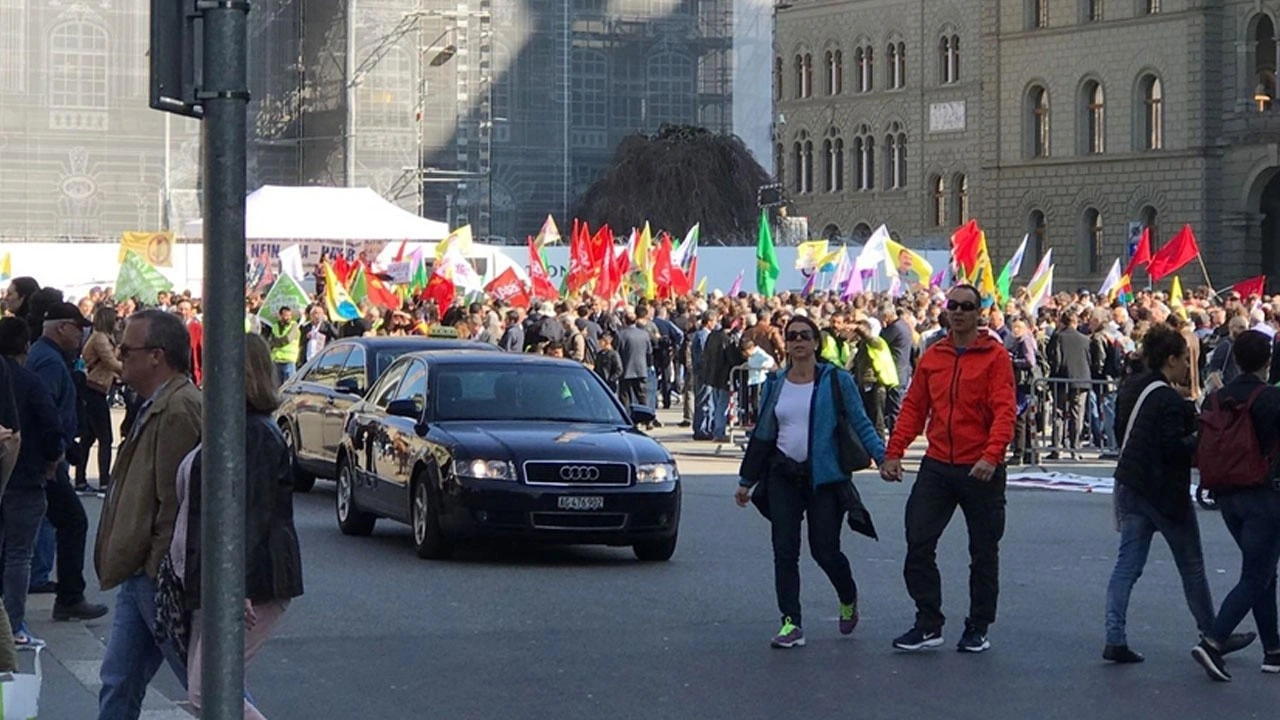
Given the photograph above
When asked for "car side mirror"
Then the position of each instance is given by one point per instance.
(643, 415)
(404, 409)
(349, 386)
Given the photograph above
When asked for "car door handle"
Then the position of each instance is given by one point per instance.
(331, 401)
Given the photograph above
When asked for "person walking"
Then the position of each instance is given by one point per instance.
(1069, 358)
(897, 332)
(797, 426)
(138, 516)
(635, 347)
(1157, 432)
(273, 562)
(963, 391)
(1252, 516)
(103, 371)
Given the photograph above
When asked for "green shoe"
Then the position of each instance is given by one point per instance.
(848, 618)
(789, 636)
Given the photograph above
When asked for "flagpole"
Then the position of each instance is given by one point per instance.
(1205, 270)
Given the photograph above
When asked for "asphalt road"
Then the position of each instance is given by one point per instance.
(589, 632)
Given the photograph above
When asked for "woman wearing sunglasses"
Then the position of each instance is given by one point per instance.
(793, 451)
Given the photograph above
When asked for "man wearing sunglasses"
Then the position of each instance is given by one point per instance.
(964, 389)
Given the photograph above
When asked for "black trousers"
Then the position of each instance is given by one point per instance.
(666, 379)
(939, 488)
(893, 398)
(873, 399)
(789, 502)
(66, 514)
(96, 427)
(1071, 427)
(634, 391)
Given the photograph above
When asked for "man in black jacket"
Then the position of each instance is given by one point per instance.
(898, 334)
(636, 349)
(719, 357)
(317, 333)
(513, 337)
(1069, 359)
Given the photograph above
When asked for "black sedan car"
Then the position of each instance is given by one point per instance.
(317, 397)
(472, 445)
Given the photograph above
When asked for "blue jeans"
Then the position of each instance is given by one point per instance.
(286, 370)
(46, 548)
(1253, 519)
(702, 425)
(719, 412)
(133, 655)
(1109, 422)
(1139, 522)
(21, 513)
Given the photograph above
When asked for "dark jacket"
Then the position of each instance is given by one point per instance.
(546, 329)
(326, 329)
(1156, 461)
(41, 432)
(719, 357)
(49, 362)
(635, 346)
(9, 416)
(1069, 357)
(898, 335)
(272, 560)
(608, 366)
(512, 339)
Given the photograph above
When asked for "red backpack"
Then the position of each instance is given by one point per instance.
(1236, 459)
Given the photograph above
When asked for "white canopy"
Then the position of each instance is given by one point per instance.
(275, 212)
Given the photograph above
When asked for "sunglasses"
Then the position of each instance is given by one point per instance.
(963, 305)
(799, 336)
(124, 350)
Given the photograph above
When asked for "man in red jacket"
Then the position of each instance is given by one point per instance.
(964, 387)
(196, 332)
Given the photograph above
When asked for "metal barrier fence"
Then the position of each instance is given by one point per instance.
(1060, 417)
(744, 400)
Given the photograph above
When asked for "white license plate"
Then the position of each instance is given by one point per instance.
(580, 502)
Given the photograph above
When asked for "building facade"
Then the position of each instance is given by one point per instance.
(1075, 122)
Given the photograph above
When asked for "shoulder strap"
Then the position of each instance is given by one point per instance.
(1137, 407)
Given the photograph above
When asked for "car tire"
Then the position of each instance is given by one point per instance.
(303, 481)
(656, 550)
(351, 519)
(429, 540)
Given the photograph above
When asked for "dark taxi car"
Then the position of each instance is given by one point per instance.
(472, 445)
(316, 398)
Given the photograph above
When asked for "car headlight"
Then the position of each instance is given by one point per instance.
(482, 469)
(656, 473)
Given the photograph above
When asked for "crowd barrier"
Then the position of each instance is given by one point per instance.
(744, 400)
(1062, 418)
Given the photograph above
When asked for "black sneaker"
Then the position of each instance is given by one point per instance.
(974, 639)
(1211, 660)
(917, 639)
(82, 610)
(1271, 662)
(1237, 641)
(1121, 654)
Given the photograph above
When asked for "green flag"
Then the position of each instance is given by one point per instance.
(766, 258)
(358, 289)
(419, 279)
(139, 280)
(284, 293)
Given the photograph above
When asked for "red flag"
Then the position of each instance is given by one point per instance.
(400, 252)
(508, 288)
(1181, 250)
(600, 244)
(607, 283)
(381, 295)
(581, 268)
(681, 284)
(542, 285)
(341, 269)
(965, 244)
(1142, 255)
(662, 276)
(1252, 286)
(268, 274)
(441, 290)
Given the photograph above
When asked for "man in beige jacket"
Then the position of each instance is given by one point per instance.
(142, 506)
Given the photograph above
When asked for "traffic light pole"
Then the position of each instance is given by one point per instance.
(224, 97)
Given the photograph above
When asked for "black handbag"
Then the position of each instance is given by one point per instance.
(849, 449)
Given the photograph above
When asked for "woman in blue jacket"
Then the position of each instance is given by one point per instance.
(793, 451)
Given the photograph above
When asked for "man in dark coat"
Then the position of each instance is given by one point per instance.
(719, 357)
(636, 349)
(898, 334)
(513, 337)
(1069, 359)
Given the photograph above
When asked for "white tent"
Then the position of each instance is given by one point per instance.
(275, 212)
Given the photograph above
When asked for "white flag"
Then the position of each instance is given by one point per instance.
(1112, 281)
(873, 253)
(291, 263)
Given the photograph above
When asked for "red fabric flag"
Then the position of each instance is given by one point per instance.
(581, 268)
(681, 285)
(600, 244)
(607, 283)
(662, 277)
(400, 252)
(379, 294)
(1181, 250)
(965, 245)
(1252, 286)
(508, 288)
(341, 269)
(440, 289)
(542, 285)
(1141, 255)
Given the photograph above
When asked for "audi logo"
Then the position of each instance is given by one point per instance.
(579, 473)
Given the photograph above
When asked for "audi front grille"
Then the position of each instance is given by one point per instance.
(577, 474)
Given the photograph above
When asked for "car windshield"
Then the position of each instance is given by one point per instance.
(546, 393)
(383, 359)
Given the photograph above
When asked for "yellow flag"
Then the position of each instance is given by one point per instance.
(6, 266)
(702, 285)
(643, 261)
(902, 260)
(460, 238)
(986, 278)
(831, 260)
(156, 248)
(809, 254)
(1175, 298)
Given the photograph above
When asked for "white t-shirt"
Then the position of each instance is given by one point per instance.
(792, 412)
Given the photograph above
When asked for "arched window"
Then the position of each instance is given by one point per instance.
(834, 72)
(78, 57)
(1037, 14)
(1152, 7)
(777, 78)
(1091, 228)
(831, 233)
(895, 158)
(828, 166)
(799, 67)
(1091, 10)
(901, 61)
(864, 147)
(1036, 230)
(961, 183)
(1038, 122)
(780, 164)
(891, 66)
(955, 59)
(1091, 110)
(949, 59)
(867, 81)
(860, 66)
(808, 75)
(939, 201)
(1152, 113)
(1264, 62)
(808, 166)
(861, 233)
(797, 157)
(590, 106)
(839, 164)
(1147, 217)
(839, 72)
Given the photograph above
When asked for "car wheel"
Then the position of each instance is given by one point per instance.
(656, 550)
(428, 539)
(1205, 498)
(303, 481)
(351, 519)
